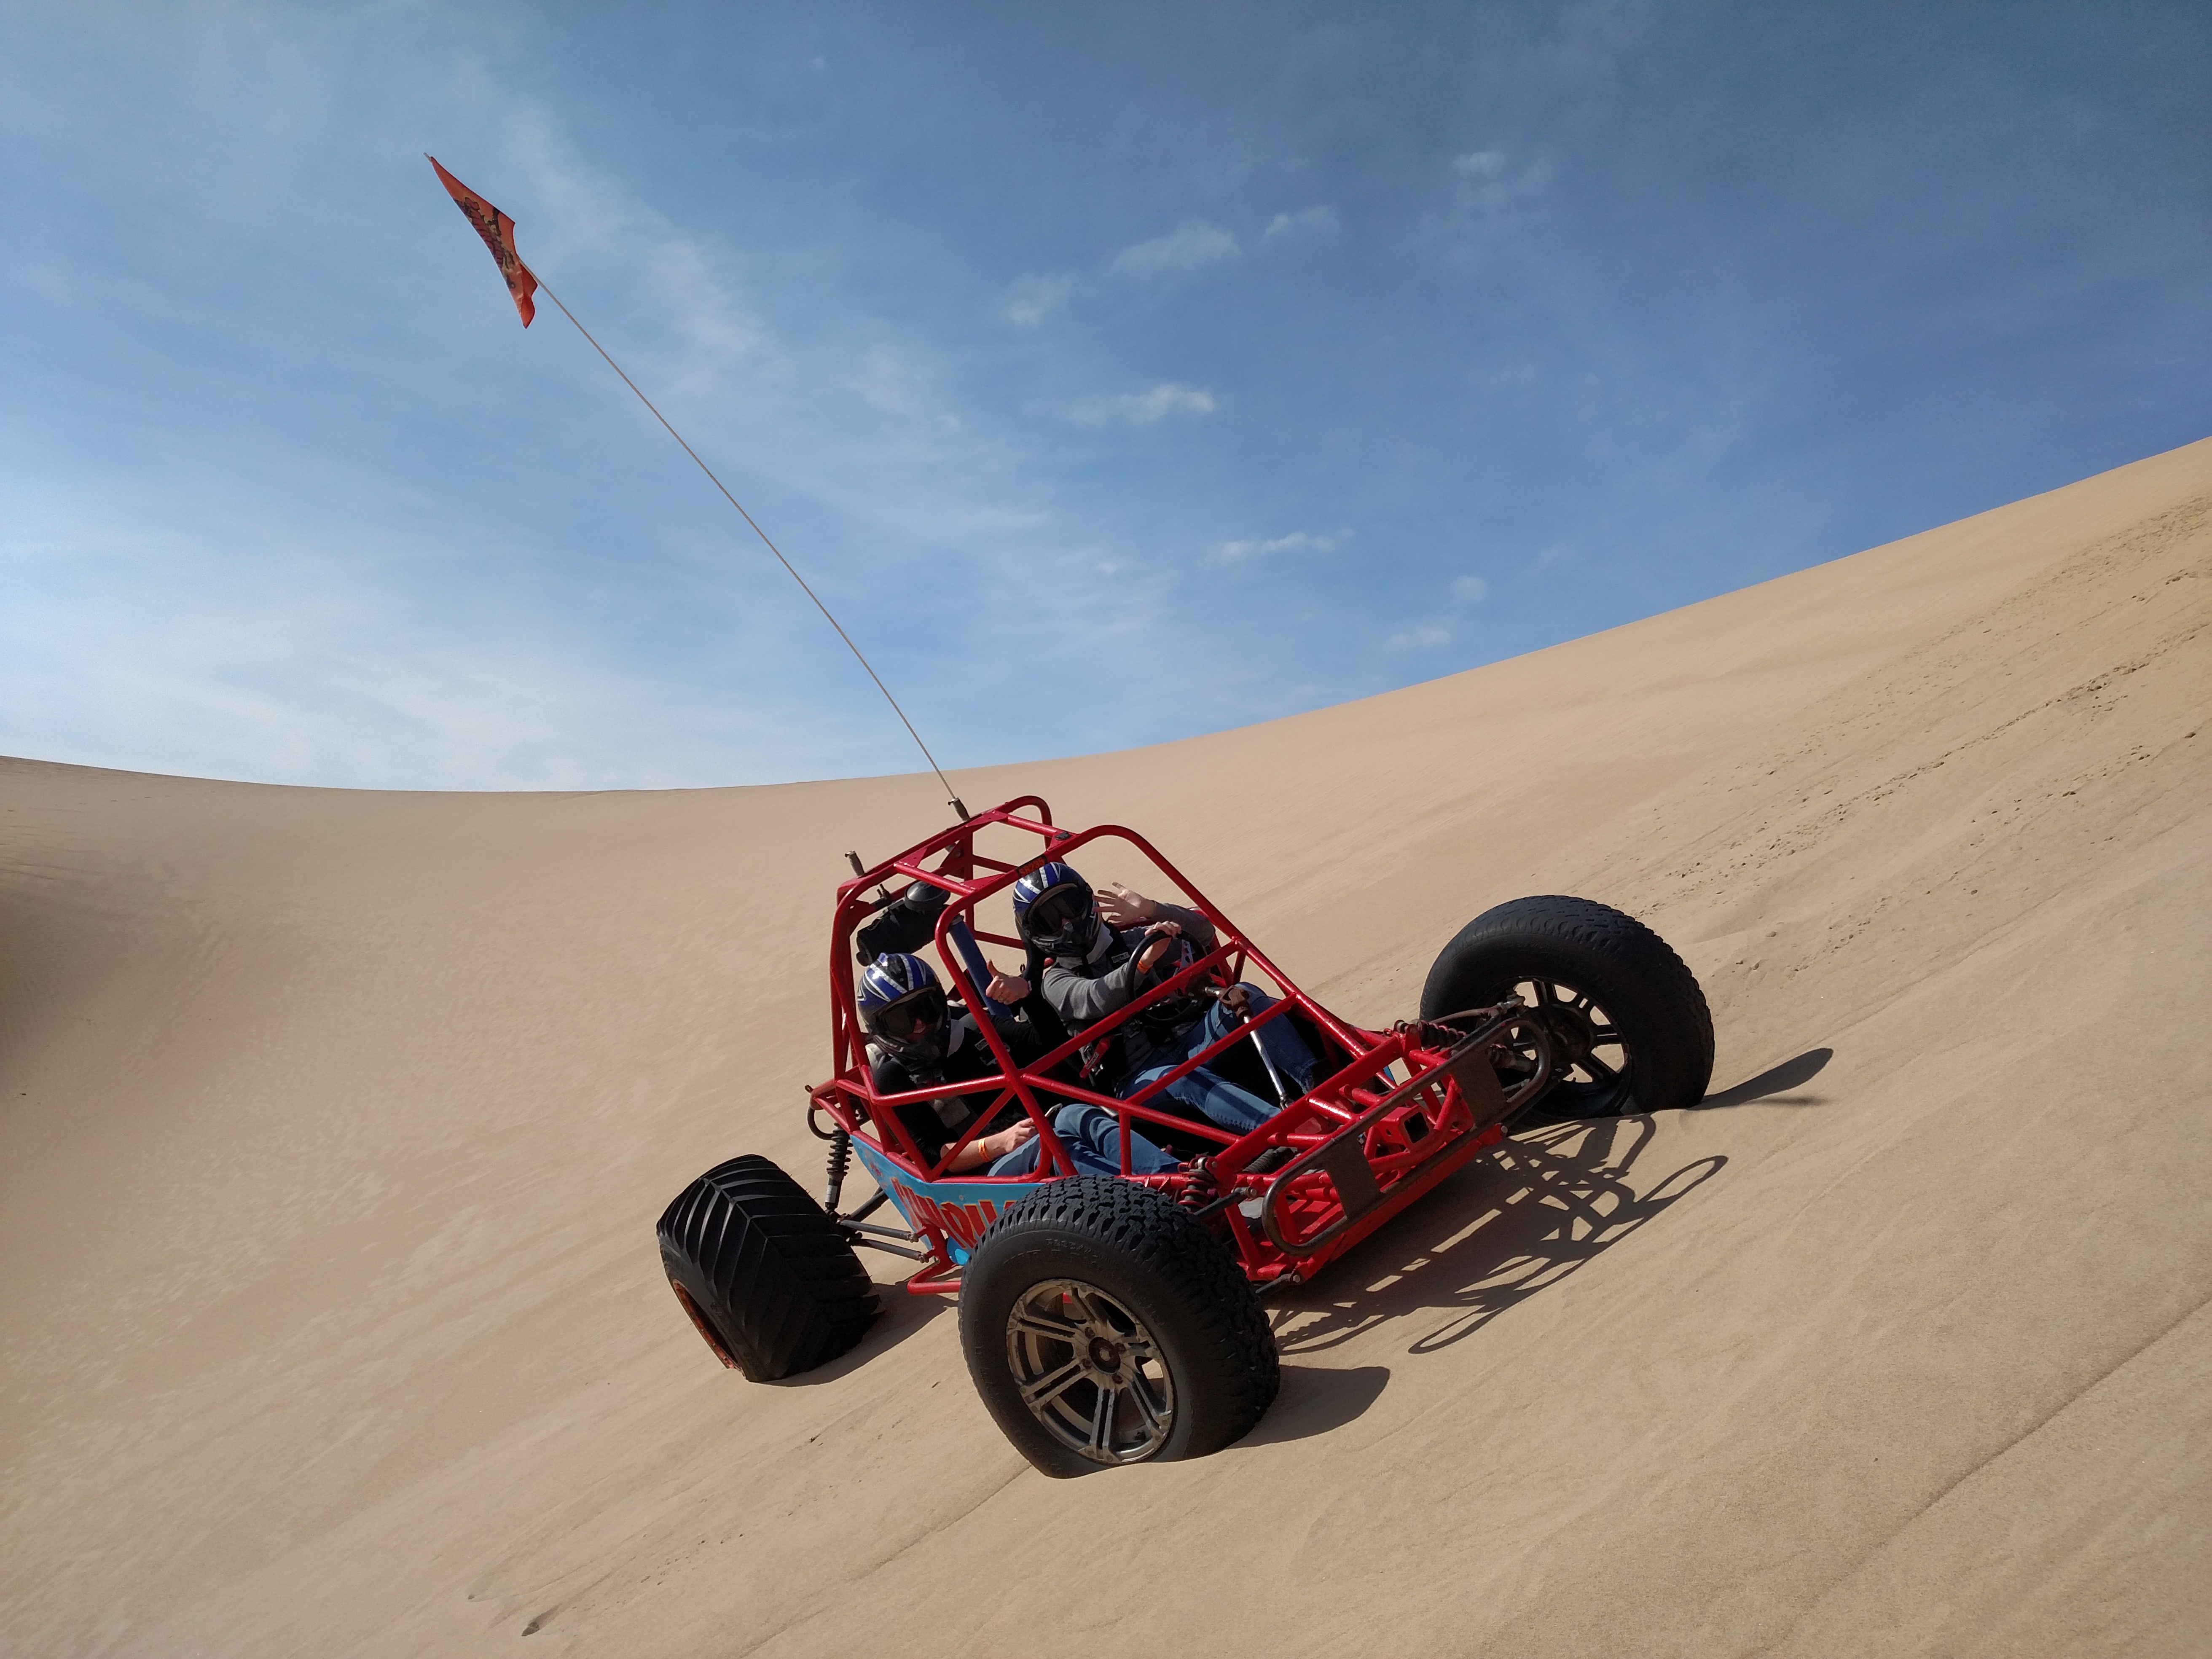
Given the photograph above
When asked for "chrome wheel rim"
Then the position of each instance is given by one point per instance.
(1089, 1371)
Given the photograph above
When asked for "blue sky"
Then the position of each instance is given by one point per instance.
(1116, 373)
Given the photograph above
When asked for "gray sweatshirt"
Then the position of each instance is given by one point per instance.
(1082, 992)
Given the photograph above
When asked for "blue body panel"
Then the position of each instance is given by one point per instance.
(961, 1210)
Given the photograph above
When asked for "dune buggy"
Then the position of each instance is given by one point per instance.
(1106, 1321)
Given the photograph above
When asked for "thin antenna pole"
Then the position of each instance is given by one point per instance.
(951, 798)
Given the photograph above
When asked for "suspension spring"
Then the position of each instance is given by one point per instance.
(841, 1160)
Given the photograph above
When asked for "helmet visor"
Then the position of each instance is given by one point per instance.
(909, 1017)
(1053, 914)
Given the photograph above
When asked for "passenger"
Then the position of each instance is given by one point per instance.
(909, 922)
(1091, 942)
(918, 1043)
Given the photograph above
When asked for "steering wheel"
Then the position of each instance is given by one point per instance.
(1155, 948)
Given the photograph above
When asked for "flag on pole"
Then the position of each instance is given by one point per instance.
(498, 232)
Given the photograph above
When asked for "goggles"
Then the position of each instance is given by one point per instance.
(911, 1016)
(1053, 914)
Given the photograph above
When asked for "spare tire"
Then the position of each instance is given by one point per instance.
(768, 1280)
(1630, 1027)
(1103, 1325)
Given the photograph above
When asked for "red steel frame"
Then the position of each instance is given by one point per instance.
(1365, 1143)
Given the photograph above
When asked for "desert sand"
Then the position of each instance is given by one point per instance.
(336, 1125)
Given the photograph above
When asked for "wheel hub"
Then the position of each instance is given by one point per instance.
(1089, 1371)
(1572, 1033)
(1591, 1062)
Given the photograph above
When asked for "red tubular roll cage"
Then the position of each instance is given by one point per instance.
(1363, 1144)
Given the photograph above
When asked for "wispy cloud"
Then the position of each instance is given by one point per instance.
(344, 612)
(1494, 176)
(1418, 639)
(1033, 299)
(1191, 246)
(1306, 222)
(1143, 408)
(1299, 541)
(429, 548)
(226, 649)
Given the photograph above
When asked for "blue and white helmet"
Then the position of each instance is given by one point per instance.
(902, 1003)
(1055, 911)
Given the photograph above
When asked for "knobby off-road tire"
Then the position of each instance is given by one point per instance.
(1095, 1278)
(1633, 1025)
(765, 1274)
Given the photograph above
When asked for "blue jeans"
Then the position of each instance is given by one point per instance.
(1220, 1100)
(1093, 1139)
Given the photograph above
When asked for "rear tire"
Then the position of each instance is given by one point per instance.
(768, 1280)
(1103, 1325)
(1626, 1012)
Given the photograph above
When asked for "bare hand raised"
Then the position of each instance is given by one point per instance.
(1005, 988)
(1120, 906)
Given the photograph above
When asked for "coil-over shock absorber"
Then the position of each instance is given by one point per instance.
(841, 1153)
(841, 1160)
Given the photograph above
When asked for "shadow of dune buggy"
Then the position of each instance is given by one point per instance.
(1108, 1321)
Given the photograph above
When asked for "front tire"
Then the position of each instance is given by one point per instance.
(1102, 1326)
(765, 1276)
(1629, 1025)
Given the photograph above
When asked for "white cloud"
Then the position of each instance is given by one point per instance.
(375, 619)
(1473, 589)
(1033, 299)
(496, 571)
(1190, 245)
(232, 653)
(1299, 541)
(1558, 553)
(1418, 639)
(1495, 177)
(1143, 408)
(1306, 220)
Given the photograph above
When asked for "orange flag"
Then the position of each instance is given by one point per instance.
(498, 232)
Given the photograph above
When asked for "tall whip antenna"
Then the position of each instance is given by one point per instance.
(498, 232)
(952, 799)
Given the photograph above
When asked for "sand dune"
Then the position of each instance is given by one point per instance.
(336, 1123)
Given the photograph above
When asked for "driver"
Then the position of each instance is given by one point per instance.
(916, 1042)
(1091, 942)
